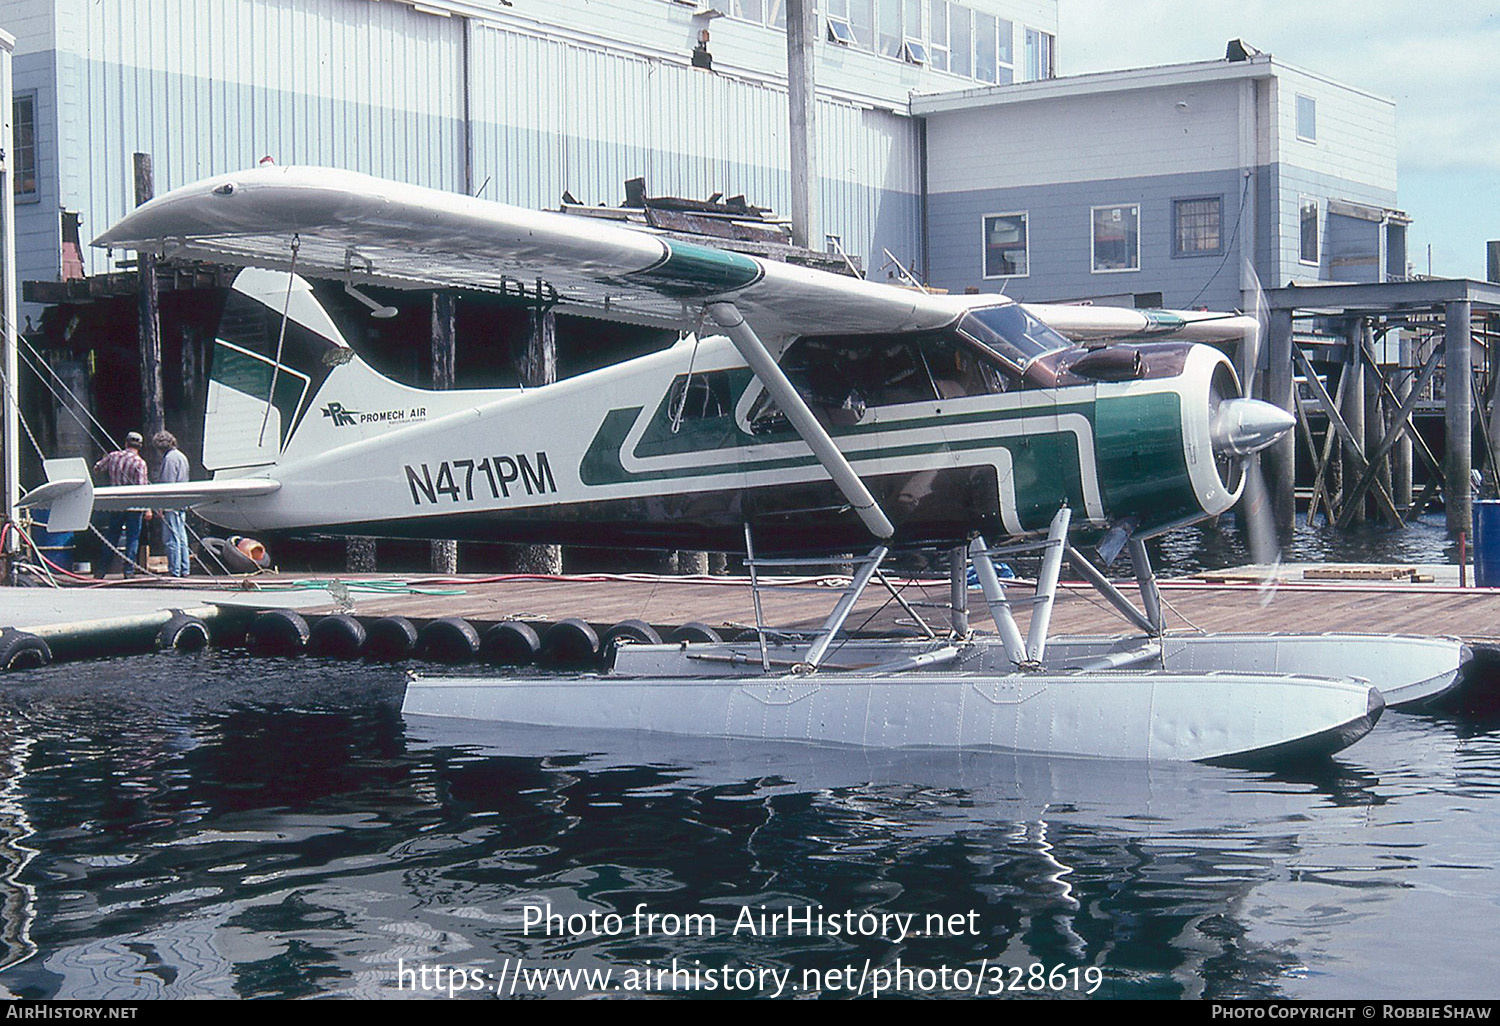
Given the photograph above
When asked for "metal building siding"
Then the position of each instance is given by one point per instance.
(551, 115)
(207, 86)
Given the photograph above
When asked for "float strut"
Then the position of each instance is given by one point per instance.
(845, 605)
(994, 594)
(1046, 585)
(1145, 579)
(958, 590)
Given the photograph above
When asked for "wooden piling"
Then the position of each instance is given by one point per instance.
(1353, 410)
(537, 366)
(444, 551)
(1458, 413)
(153, 416)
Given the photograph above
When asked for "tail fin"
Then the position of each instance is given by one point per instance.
(324, 394)
(245, 425)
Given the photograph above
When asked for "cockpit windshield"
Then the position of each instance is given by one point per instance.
(1012, 334)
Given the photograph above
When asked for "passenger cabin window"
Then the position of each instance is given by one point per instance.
(701, 396)
(841, 376)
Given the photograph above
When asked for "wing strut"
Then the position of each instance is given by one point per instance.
(763, 364)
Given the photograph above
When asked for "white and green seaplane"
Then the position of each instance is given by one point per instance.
(801, 413)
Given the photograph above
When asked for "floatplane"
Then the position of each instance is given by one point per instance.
(801, 412)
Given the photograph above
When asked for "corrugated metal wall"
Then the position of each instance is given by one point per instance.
(211, 85)
(550, 115)
(207, 86)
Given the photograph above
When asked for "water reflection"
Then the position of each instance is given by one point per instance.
(191, 842)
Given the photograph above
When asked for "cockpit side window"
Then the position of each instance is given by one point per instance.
(841, 376)
(1012, 334)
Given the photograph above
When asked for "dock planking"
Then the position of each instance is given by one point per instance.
(1398, 606)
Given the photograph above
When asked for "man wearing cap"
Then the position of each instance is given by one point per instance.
(123, 467)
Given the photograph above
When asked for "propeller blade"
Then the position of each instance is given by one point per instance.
(1247, 430)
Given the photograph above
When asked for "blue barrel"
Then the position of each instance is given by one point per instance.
(1487, 543)
(56, 547)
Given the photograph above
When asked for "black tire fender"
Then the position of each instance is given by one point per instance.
(390, 639)
(569, 644)
(183, 633)
(22, 651)
(448, 640)
(337, 636)
(511, 643)
(277, 632)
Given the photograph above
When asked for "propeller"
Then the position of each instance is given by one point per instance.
(1257, 430)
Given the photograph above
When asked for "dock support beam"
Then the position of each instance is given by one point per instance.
(1458, 414)
(1354, 409)
(537, 366)
(1401, 456)
(153, 418)
(444, 551)
(1282, 453)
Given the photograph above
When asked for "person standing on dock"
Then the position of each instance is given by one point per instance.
(123, 467)
(174, 470)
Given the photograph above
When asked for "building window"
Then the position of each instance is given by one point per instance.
(1005, 53)
(1117, 238)
(851, 22)
(1006, 253)
(1307, 118)
(748, 10)
(1308, 252)
(938, 35)
(1038, 55)
(888, 27)
(960, 40)
(984, 46)
(1198, 226)
(23, 168)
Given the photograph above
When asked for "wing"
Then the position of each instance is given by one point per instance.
(345, 225)
(1086, 323)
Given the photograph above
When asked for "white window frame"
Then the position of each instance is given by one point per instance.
(1094, 267)
(1302, 201)
(914, 51)
(984, 243)
(836, 25)
(1297, 117)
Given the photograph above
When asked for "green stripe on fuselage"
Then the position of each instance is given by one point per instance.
(1045, 465)
(1142, 464)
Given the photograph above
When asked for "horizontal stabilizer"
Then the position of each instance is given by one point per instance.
(184, 495)
(71, 498)
(68, 495)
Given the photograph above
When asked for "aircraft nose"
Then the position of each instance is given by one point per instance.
(1243, 426)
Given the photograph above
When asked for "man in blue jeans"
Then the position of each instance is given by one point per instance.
(124, 466)
(174, 470)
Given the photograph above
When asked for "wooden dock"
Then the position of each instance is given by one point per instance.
(1411, 600)
(1313, 599)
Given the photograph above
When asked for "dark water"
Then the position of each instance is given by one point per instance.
(213, 825)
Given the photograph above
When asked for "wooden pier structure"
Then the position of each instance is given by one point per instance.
(1398, 351)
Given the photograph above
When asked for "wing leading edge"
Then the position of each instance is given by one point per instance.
(351, 226)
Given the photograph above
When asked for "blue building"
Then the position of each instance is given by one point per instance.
(1162, 186)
